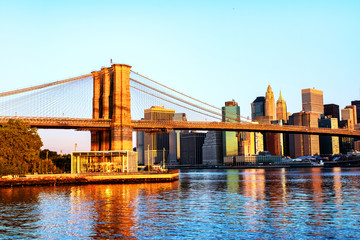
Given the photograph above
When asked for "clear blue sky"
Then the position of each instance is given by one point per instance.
(213, 50)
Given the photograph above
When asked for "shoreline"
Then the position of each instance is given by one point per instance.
(84, 179)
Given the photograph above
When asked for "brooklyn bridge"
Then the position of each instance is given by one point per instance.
(109, 104)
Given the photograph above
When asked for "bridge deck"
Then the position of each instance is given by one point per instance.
(166, 126)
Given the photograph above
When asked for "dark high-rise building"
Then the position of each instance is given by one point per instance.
(329, 145)
(357, 104)
(258, 107)
(332, 111)
(191, 148)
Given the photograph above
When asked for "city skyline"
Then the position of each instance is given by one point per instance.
(230, 50)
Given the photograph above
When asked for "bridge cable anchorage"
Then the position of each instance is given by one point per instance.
(190, 96)
(4, 94)
(175, 103)
(181, 100)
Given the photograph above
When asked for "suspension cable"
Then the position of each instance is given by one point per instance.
(180, 100)
(175, 103)
(189, 96)
(9, 93)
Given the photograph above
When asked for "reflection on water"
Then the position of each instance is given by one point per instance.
(309, 203)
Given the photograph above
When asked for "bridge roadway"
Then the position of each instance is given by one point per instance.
(166, 126)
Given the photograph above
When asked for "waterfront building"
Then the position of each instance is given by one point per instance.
(329, 145)
(281, 111)
(230, 113)
(191, 148)
(258, 108)
(270, 103)
(312, 101)
(104, 161)
(357, 104)
(212, 148)
(331, 111)
(253, 160)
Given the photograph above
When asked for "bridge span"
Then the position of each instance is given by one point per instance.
(166, 126)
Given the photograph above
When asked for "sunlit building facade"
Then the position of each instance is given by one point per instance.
(231, 113)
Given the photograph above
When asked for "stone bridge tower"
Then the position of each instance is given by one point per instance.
(111, 100)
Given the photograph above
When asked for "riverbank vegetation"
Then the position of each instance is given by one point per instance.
(20, 150)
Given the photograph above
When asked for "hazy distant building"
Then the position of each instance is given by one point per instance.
(281, 111)
(312, 101)
(212, 148)
(331, 111)
(357, 104)
(191, 148)
(231, 113)
(258, 108)
(329, 145)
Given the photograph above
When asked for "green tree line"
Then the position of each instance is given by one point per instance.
(20, 152)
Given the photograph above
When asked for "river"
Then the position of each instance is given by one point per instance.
(303, 203)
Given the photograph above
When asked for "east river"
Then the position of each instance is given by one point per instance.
(304, 203)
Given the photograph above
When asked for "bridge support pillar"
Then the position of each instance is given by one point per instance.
(121, 138)
(94, 141)
(112, 101)
(121, 130)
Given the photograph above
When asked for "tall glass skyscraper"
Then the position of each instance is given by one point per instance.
(231, 113)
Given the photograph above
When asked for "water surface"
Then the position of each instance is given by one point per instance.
(309, 203)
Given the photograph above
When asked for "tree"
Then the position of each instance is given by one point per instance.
(20, 148)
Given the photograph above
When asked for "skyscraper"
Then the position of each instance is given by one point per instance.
(312, 101)
(157, 142)
(191, 150)
(258, 108)
(281, 111)
(348, 114)
(231, 113)
(329, 145)
(270, 103)
(305, 144)
(332, 111)
(357, 104)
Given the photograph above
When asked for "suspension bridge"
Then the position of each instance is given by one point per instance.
(110, 104)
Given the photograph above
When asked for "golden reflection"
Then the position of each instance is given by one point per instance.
(254, 188)
(338, 186)
(283, 186)
(233, 180)
(317, 188)
(317, 185)
(113, 209)
(254, 183)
